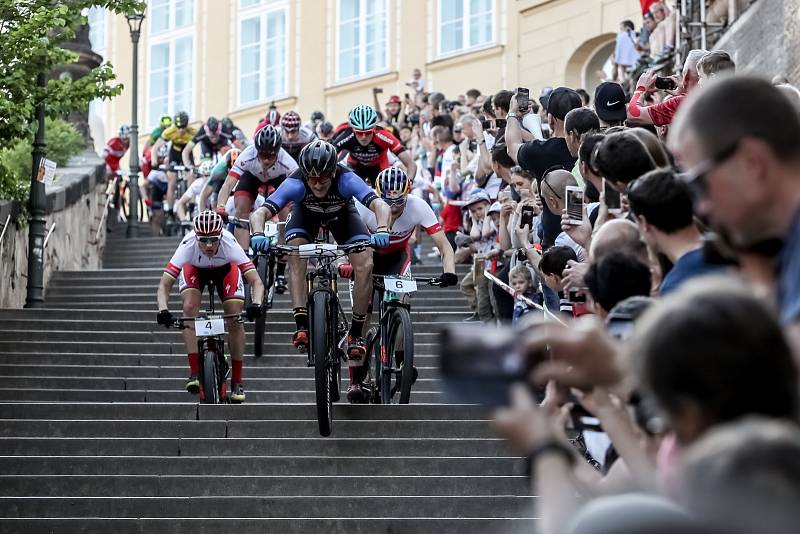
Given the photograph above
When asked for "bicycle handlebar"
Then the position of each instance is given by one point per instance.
(177, 322)
(435, 281)
(339, 251)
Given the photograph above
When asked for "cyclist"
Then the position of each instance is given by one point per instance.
(218, 175)
(237, 135)
(147, 157)
(293, 136)
(368, 145)
(211, 138)
(115, 149)
(210, 253)
(178, 135)
(262, 162)
(157, 185)
(324, 131)
(322, 192)
(192, 194)
(317, 117)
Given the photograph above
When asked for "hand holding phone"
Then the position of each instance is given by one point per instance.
(574, 199)
(523, 99)
(526, 217)
(612, 198)
(665, 83)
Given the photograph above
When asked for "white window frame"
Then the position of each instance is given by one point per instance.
(262, 11)
(171, 37)
(362, 47)
(465, 31)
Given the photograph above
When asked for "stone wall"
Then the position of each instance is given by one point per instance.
(74, 203)
(765, 40)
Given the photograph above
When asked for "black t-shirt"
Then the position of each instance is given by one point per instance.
(537, 157)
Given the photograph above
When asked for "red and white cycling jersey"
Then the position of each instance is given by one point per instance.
(113, 152)
(189, 253)
(375, 154)
(248, 162)
(416, 213)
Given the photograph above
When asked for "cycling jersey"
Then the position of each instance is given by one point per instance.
(209, 149)
(248, 162)
(113, 152)
(193, 191)
(178, 140)
(372, 155)
(304, 137)
(156, 133)
(416, 213)
(345, 186)
(189, 253)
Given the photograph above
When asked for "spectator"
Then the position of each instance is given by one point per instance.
(663, 208)
(552, 265)
(663, 113)
(745, 170)
(648, 26)
(615, 278)
(610, 104)
(578, 123)
(520, 279)
(654, 146)
(714, 63)
(662, 40)
(625, 54)
(621, 158)
(416, 83)
(474, 285)
(501, 167)
(588, 173)
(472, 95)
(585, 97)
(553, 190)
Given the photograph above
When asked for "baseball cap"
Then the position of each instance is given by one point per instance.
(478, 196)
(561, 101)
(609, 102)
(394, 99)
(494, 208)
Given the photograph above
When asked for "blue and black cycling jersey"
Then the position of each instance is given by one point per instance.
(345, 186)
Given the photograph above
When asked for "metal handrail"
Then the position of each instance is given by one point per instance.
(5, 227)
(47, 238)
(508, 289)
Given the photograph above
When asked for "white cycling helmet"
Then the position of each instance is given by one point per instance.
(208, 224)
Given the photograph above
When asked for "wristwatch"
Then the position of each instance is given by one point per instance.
(512, 114)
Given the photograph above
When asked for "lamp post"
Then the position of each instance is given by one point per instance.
(37, 204)
(135, 20)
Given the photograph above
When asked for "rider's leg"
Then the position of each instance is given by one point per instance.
(362, 290)
(297, 285)
(280, 268)
(244, 205)
(171, 179)
(191, 306)
(236, 340)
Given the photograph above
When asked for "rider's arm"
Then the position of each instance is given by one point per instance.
(225, 190)
(291, 190)
(179, 207)
(164, 288)
(448, 256)
(257, 293)
(383, 213)
(158, 144)
(408, 163)
(187, 153)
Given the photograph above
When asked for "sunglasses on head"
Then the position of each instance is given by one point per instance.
(208, 240)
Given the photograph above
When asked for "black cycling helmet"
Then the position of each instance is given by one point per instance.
(212, 126)
(268, 140)
(227, 125)
(318, 158)
(317, 116)
(181, 119)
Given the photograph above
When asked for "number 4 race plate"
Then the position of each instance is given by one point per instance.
(209, 327)
(399, 285)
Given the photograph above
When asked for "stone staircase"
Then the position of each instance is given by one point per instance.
(97, 434)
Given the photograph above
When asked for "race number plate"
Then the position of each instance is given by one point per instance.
(399, 285)
(270, 229)
(209, 327)
(317, 250)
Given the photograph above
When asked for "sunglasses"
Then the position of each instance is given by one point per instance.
(362, 133)
(208, 240)
(695, 178)
(395, 201)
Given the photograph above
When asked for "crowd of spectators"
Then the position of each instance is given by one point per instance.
(650, 244)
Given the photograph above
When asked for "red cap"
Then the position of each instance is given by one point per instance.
(394, 99)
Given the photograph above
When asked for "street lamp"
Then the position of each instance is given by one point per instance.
(135, 20)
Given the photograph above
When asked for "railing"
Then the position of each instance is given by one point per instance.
(5, 227)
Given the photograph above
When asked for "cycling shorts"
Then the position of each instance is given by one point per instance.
(345, 225)
(176, 158)
(396, 263)
(249, 185)
(227, 278)
(367, 173)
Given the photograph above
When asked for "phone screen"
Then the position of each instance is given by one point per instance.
(526, 217)
(500, 123)
(575, 204)
(523, 97)
(613, 198)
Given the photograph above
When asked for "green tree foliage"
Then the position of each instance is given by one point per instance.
(31, 35)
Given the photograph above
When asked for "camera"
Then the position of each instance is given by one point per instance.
(667, 84)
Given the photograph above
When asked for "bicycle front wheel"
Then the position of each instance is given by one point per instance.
(320, 345)
(401, 351)
(210, 380)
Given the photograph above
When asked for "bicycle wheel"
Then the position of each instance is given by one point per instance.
(210, 381)
(320, 344)
(401, 338)
(371, 366)
(260, 322)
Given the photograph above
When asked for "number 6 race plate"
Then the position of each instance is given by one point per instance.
(399, 285)
(209, 327)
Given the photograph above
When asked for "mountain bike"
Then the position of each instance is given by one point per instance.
(327, 322)
(215, 368)
(389, 362)
(170, 223)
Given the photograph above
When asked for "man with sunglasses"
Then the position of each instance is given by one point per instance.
(211, 253)
(368, 145)
(263, 162)
(322, 192)
(294, 136)
(211, 138)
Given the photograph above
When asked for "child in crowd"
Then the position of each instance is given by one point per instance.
(520, 279)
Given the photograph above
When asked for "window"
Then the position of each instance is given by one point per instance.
(262, 50)
(171, 59)
(465, 24)
(362, 38)
(97, 28)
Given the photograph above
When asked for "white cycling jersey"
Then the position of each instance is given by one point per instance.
(230, 205)
(194, 190)
(188, 252)
(248, 162)
(416, 213)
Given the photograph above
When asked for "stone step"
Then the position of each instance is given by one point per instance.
(259, 465)
(267, 507)
(76, 288)
(338, 444)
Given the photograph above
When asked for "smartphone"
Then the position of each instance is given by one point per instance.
(523, 99)
(500, 123)
(487, 125)
(480, 363)
(526, 217)
(613, 198)
(665, 83)
(575, 204)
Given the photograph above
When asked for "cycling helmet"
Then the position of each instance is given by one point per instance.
(208, 224)
(267, 140)
(317, 116)
(392, 184)
(206, 167)
(227, 125)
(124, 131)
(232, 154)
(325, 128)
(362, 117)
(318, 158)
(165, 121)
(290, 121)
(181, 119)
(213, 126)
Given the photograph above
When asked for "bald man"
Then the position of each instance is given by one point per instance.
(553, 190)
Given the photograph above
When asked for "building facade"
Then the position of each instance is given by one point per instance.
(234, 57)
